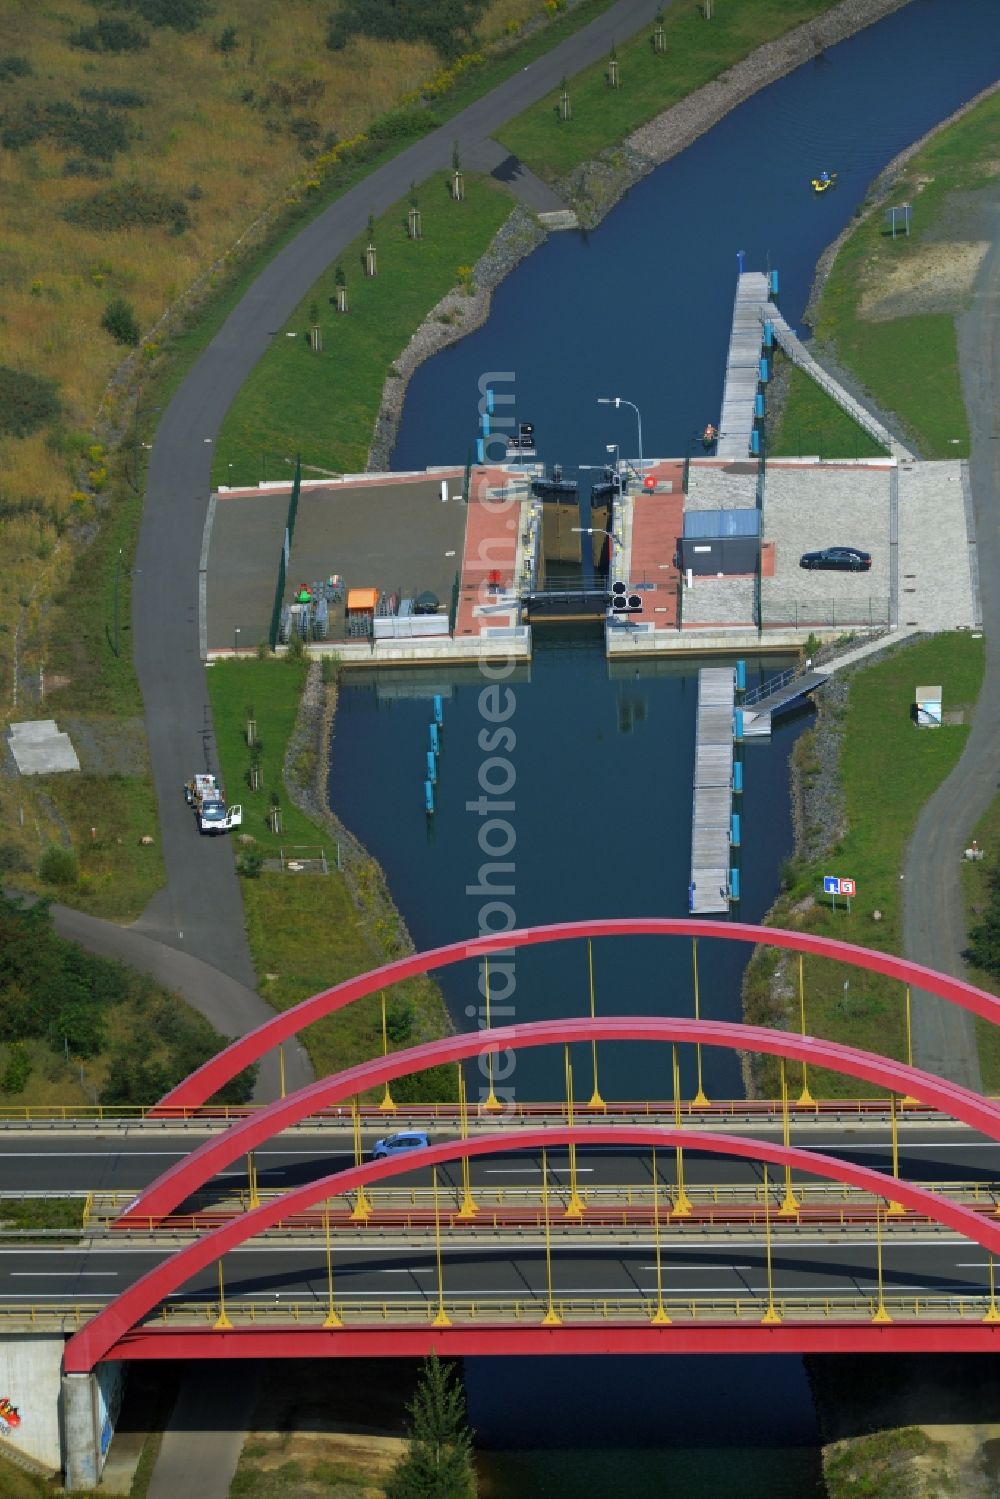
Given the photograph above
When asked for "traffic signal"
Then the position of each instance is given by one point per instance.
(623, 602)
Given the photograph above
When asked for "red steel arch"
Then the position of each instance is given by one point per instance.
(194, 1090)
(98, 1339)
(192, 1171)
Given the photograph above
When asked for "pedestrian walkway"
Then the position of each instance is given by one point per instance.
(739, 394)
(712, 806)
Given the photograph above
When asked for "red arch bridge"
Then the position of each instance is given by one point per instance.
(577, 1226)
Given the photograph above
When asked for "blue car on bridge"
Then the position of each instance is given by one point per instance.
(397, 1144)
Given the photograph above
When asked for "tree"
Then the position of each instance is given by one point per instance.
(437, 1463)
(120, 321)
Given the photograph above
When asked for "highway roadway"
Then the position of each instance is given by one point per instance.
(584, 1264)
(111, 1161)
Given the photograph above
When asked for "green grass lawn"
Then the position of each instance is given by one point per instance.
(307, 932)
(911, 362)
(812, 422)
(889, 769)
(118, 874)
(324, 405)
(697, 52)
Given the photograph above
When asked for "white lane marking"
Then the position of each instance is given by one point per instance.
(537, 1171)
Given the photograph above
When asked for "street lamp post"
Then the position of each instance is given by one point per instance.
(236, 640)
(618, 401)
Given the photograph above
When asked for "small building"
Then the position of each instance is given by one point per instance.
(720, 542)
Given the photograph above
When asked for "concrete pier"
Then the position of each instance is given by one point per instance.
(713, 791)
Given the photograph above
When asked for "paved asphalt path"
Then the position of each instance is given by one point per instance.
(232, 1007)
(204, 1437)
(200, 911)
(944, 1037)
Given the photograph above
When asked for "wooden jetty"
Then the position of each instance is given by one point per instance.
(713, 791)
(742, 367)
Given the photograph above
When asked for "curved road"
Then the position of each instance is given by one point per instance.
(944, 1040)
(200, 910)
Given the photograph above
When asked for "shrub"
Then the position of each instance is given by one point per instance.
(110, 34)
(120, 321)
(79, 166)
(130, 205)
(445, 24)
(227, 41)
(399, 1021)
(251, 861)
(27, 402)
(118, 98)
(13, 859)
(182, 15)
(14, 67)
(58, 866)
(17, 1069)
(98, 133)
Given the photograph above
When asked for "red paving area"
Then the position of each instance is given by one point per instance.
(657, 525)
(490, 552)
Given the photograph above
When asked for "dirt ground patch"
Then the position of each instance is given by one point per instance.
(941, 280)
(107, 746)
(326, 1432)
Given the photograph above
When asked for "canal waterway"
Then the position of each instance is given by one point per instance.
(602, 758)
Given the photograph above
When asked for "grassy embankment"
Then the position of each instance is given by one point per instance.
(248, 144)
(889, 770)
(268, 415)
(325, 404)
(888, 307)
(696, 53)
(308, 932)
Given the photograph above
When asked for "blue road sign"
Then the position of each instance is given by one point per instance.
(831, 884)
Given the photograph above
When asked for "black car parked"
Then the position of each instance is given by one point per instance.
(845, 559)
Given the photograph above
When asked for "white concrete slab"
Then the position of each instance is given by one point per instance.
(39, 749)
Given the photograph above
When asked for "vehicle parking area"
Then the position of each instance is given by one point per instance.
(391, 533)
(807, 509)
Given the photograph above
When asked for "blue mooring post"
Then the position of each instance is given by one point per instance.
(734, 830)
(691, 889)
(435, 739)
(741, 676)
(486, 423)
(734, 884)
(489, 399)
(428, 798)
(738, 778)
(740, 258)
(738, 725)
(758, 405)
(754, 443)
(432, 767)
(480, 450)
(765, 371)
(769, 335)
(438, 710)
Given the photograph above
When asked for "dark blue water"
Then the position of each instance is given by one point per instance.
(640, 307)
(600, 817)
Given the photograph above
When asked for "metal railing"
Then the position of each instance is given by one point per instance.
(210, 1115)
(517, 1208)
(829, 613)
(526, 1311)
